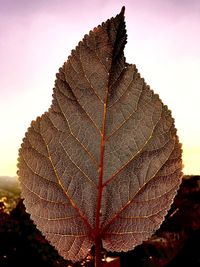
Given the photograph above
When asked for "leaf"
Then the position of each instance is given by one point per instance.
(105, 161)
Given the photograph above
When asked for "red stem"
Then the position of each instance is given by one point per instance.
(98, 248)
(97, 232)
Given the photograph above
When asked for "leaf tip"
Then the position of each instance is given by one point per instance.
(122, 11)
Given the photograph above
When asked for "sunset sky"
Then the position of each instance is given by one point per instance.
(37, 36)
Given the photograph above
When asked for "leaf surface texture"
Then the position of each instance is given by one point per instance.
(105, 159)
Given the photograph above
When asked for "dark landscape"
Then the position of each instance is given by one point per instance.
(176, 243)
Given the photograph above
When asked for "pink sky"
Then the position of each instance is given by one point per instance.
(36, 37)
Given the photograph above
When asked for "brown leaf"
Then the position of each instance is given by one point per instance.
(104, 161)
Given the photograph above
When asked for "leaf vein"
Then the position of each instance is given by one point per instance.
(125, 120)
(130, 201)
(69, 235)
(142, 217)
(86, 176)
(88, 81)
(93, 160)
(124, 92)
(63, 189)
(135, 155)
(86, 113)
(43, 199)
(56, 219)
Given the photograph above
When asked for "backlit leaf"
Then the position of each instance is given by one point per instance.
(105, 160)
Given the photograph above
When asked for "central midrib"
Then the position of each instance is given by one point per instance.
(97, 231)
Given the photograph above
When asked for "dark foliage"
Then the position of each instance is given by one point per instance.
(176, 243)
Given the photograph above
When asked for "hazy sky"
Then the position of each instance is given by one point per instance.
(37, 36)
